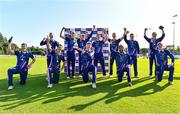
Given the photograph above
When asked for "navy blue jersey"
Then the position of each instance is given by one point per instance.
(56, 59)
(155, 42)
(162, 56)
(86, 58)
(23, 58)
(70, 43)
(52, 42)
(114, 44)
(98, 45)
(82, 43)
(133, 46)
(122, 60)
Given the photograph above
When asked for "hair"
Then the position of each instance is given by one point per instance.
(23, 44)
(131, 34)
(60, 45)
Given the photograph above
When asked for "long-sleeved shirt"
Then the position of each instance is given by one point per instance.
(52, 42)
(162, 55)
(82, 43)
(114, 44)
(56, 59)
(133, 46)
(155, 42)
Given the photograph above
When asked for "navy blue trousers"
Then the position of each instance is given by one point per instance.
(15, 70)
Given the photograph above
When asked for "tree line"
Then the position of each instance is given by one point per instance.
(42, 51)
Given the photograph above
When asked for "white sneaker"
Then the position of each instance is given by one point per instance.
(150, 76)
(68, 77)
(104, 76)
(73, 76)
(129, 84)
(170, 83)
(80, 76)
(10, 87)
(94, 85)
(110, 76)
(49, 86)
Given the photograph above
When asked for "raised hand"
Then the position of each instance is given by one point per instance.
(161, 27)
(94, 27)
(10, 39)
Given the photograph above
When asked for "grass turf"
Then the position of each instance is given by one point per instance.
(74, 96)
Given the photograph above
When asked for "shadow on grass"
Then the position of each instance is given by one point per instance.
(36, 90)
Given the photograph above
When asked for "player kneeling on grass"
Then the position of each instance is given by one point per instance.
(54, 66)
(161, 56)
(87, 63)
(123, 64)
(22, 65)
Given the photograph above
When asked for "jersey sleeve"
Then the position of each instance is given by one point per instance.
(16, 53)
(125, 39)
(147, 39)
(170, 55)
(31, 55)
(161, 38)
(43, 43)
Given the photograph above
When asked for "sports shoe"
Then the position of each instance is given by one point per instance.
(10, 87)
(49, 86)
(68, 77)
(94, 85)
(170, 83)
(129, 84)
(73, 76)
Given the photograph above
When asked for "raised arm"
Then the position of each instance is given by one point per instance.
(48, 44)
(78, 49)
(125, 36)
(10, 51)
(163, 34)
(145, 36)
(90, 35)
(61, 36)
(43, 42)
(121, 38)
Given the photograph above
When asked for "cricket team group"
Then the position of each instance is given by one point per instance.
(90, 53)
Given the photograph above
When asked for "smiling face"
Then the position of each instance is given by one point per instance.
(160, 46)
(121, 48)
(23, 47)
(72, 34)
(59, 48)
(154, 35)
(131, 36)
(82, 37)
(98, 36)
(88, 46)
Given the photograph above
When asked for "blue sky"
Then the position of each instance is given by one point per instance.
(30, 20)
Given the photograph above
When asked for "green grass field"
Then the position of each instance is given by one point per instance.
(74, 96)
